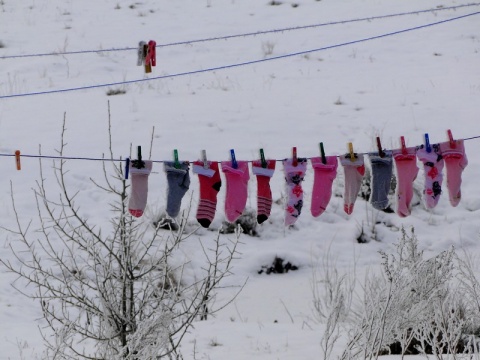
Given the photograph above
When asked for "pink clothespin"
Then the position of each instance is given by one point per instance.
(453, 144)
(151, 58)
(404, 147)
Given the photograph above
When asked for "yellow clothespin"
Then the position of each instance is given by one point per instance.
(350, 150)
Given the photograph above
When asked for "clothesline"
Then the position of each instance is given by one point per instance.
(58, 157)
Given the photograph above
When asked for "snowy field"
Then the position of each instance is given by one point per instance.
(222, 94)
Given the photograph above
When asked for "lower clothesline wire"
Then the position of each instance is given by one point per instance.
(58, 157)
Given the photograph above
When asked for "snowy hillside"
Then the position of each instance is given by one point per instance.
(367, 68)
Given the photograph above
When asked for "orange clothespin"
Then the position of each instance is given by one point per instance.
(294, 156)
(17, 160)
(350, 151)
(151, 58)
(402, 144)
(148, 66)
(453, 144)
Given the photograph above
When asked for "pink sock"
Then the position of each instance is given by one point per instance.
(324, 174)
(264, 193)
(354, 172)
(237, 190)
(455, 161)
(294, 176)
(407, 170)
(433, 166)
(139, 188)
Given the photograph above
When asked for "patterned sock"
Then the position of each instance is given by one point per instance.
(381, 179)
(139, 185)
(210, 184)
(324, 174)
(406, 170)
(178, 184)
(433, 165)
(237, 189)
(354, 172)
(264, 193)
(294, 176)
(455, 161)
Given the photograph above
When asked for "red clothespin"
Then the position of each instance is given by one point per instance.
(381, 153)
(453, 144)
(17, 160)
(151, 58)
(404, 147)
(294, 156)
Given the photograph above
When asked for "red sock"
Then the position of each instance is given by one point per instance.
(264, 193)
(210, 184)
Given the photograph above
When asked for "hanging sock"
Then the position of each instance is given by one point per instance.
(354, 172)
(455, 161)
(237, 189)
(210, 184)
(178, 183)
(381, 178)
(324, 174)
(294, 176)
(433, 165)
(264, 193)
(406, 171)
(139, 186)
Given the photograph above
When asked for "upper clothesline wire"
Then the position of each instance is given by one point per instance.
(255, 33)
(246, 63)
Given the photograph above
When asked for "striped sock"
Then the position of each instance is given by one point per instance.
(210, 184)
(264, 193)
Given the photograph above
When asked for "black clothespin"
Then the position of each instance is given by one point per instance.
(234, 160)
(262, 159)
(322, 154)
(381, 153)
(139, 163)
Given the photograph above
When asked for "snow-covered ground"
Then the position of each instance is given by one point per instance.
(407, 84)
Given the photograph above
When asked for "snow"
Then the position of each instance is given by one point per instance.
(423, 81)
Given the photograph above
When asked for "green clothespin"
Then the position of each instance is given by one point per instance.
(322, 154)
(176, 163)
(262, 159)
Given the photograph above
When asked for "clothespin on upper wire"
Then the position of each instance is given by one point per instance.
(150, 57)
(141, 53)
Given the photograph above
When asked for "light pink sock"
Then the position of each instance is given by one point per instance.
(407, 170)
(139, 188)
(324, 174)
(354, 172)
(455, 161)
(237, 190)
(433, 165)
(294, 176)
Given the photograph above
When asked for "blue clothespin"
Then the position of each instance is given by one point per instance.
(427, 144)
(234, 160)
(127, 168)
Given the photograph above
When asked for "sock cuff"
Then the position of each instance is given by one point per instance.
(386, 159)
(170, 167)
(398, 154)
(346, 161)
(331, 163)
(143, 171)
(240, 170)
(301, 165)
(257, 168)
(198, 168)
